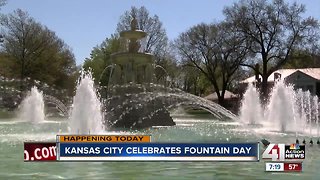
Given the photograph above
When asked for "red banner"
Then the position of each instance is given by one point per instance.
(295, 167)
(44, 151)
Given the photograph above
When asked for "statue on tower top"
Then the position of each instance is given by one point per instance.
(134, 45)
(134, 23)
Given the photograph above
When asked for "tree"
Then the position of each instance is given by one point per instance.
(101, 58)
(36, 52)
(156, 39)
(303, 59)
(3, 2)
(194, 81)
(167, 70)
(216, 51)
(274, 30)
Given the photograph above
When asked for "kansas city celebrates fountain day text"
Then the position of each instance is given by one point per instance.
(141, 148)
(158, 150)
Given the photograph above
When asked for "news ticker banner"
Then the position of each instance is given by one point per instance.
(284, 166)
(136, 148)
(102, 139)
(157, 152)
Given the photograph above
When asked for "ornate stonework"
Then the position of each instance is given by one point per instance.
(133, 73)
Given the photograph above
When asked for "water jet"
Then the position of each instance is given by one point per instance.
(32, 107)
(289, 110)
(86, 114)
(251, 112)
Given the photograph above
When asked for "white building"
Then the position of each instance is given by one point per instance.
(306, 79)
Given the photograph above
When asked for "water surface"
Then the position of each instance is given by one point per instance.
(189, 129)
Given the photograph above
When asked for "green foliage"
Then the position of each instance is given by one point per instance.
(100, 58)
(5, 63)
(32, 50)
(170, 71)
(194, 81)
(303, 59)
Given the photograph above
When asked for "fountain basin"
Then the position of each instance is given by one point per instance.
(133, 34)
(124, 57)
(140, 106)
(129, 107)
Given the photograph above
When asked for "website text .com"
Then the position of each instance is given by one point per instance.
(40, 153)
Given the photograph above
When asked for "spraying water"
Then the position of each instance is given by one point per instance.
(32, 107)
(86, 115)
(317, 122)
(281, 108)
(308, 102)
(316, 112)
(251, 110)
(288, 110)
(301, 109)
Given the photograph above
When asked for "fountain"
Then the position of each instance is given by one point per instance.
(316, 112)
(133, 100)
(131, 68)
(281, 107)
(86, 116)
(251, 111)
(288, 110)
(32, 107)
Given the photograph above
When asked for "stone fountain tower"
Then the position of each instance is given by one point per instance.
(132, 66)
(132, 100)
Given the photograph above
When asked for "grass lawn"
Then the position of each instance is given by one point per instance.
(4, 114)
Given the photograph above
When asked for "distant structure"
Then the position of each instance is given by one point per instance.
(307, 79)
(231, 100)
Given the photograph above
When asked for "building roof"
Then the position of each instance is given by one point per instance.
(312, 72)
(227, 95)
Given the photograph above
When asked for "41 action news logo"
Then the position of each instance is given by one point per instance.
(282, 152)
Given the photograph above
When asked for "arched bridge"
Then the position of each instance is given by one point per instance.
(185, 99)
(63, 109)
